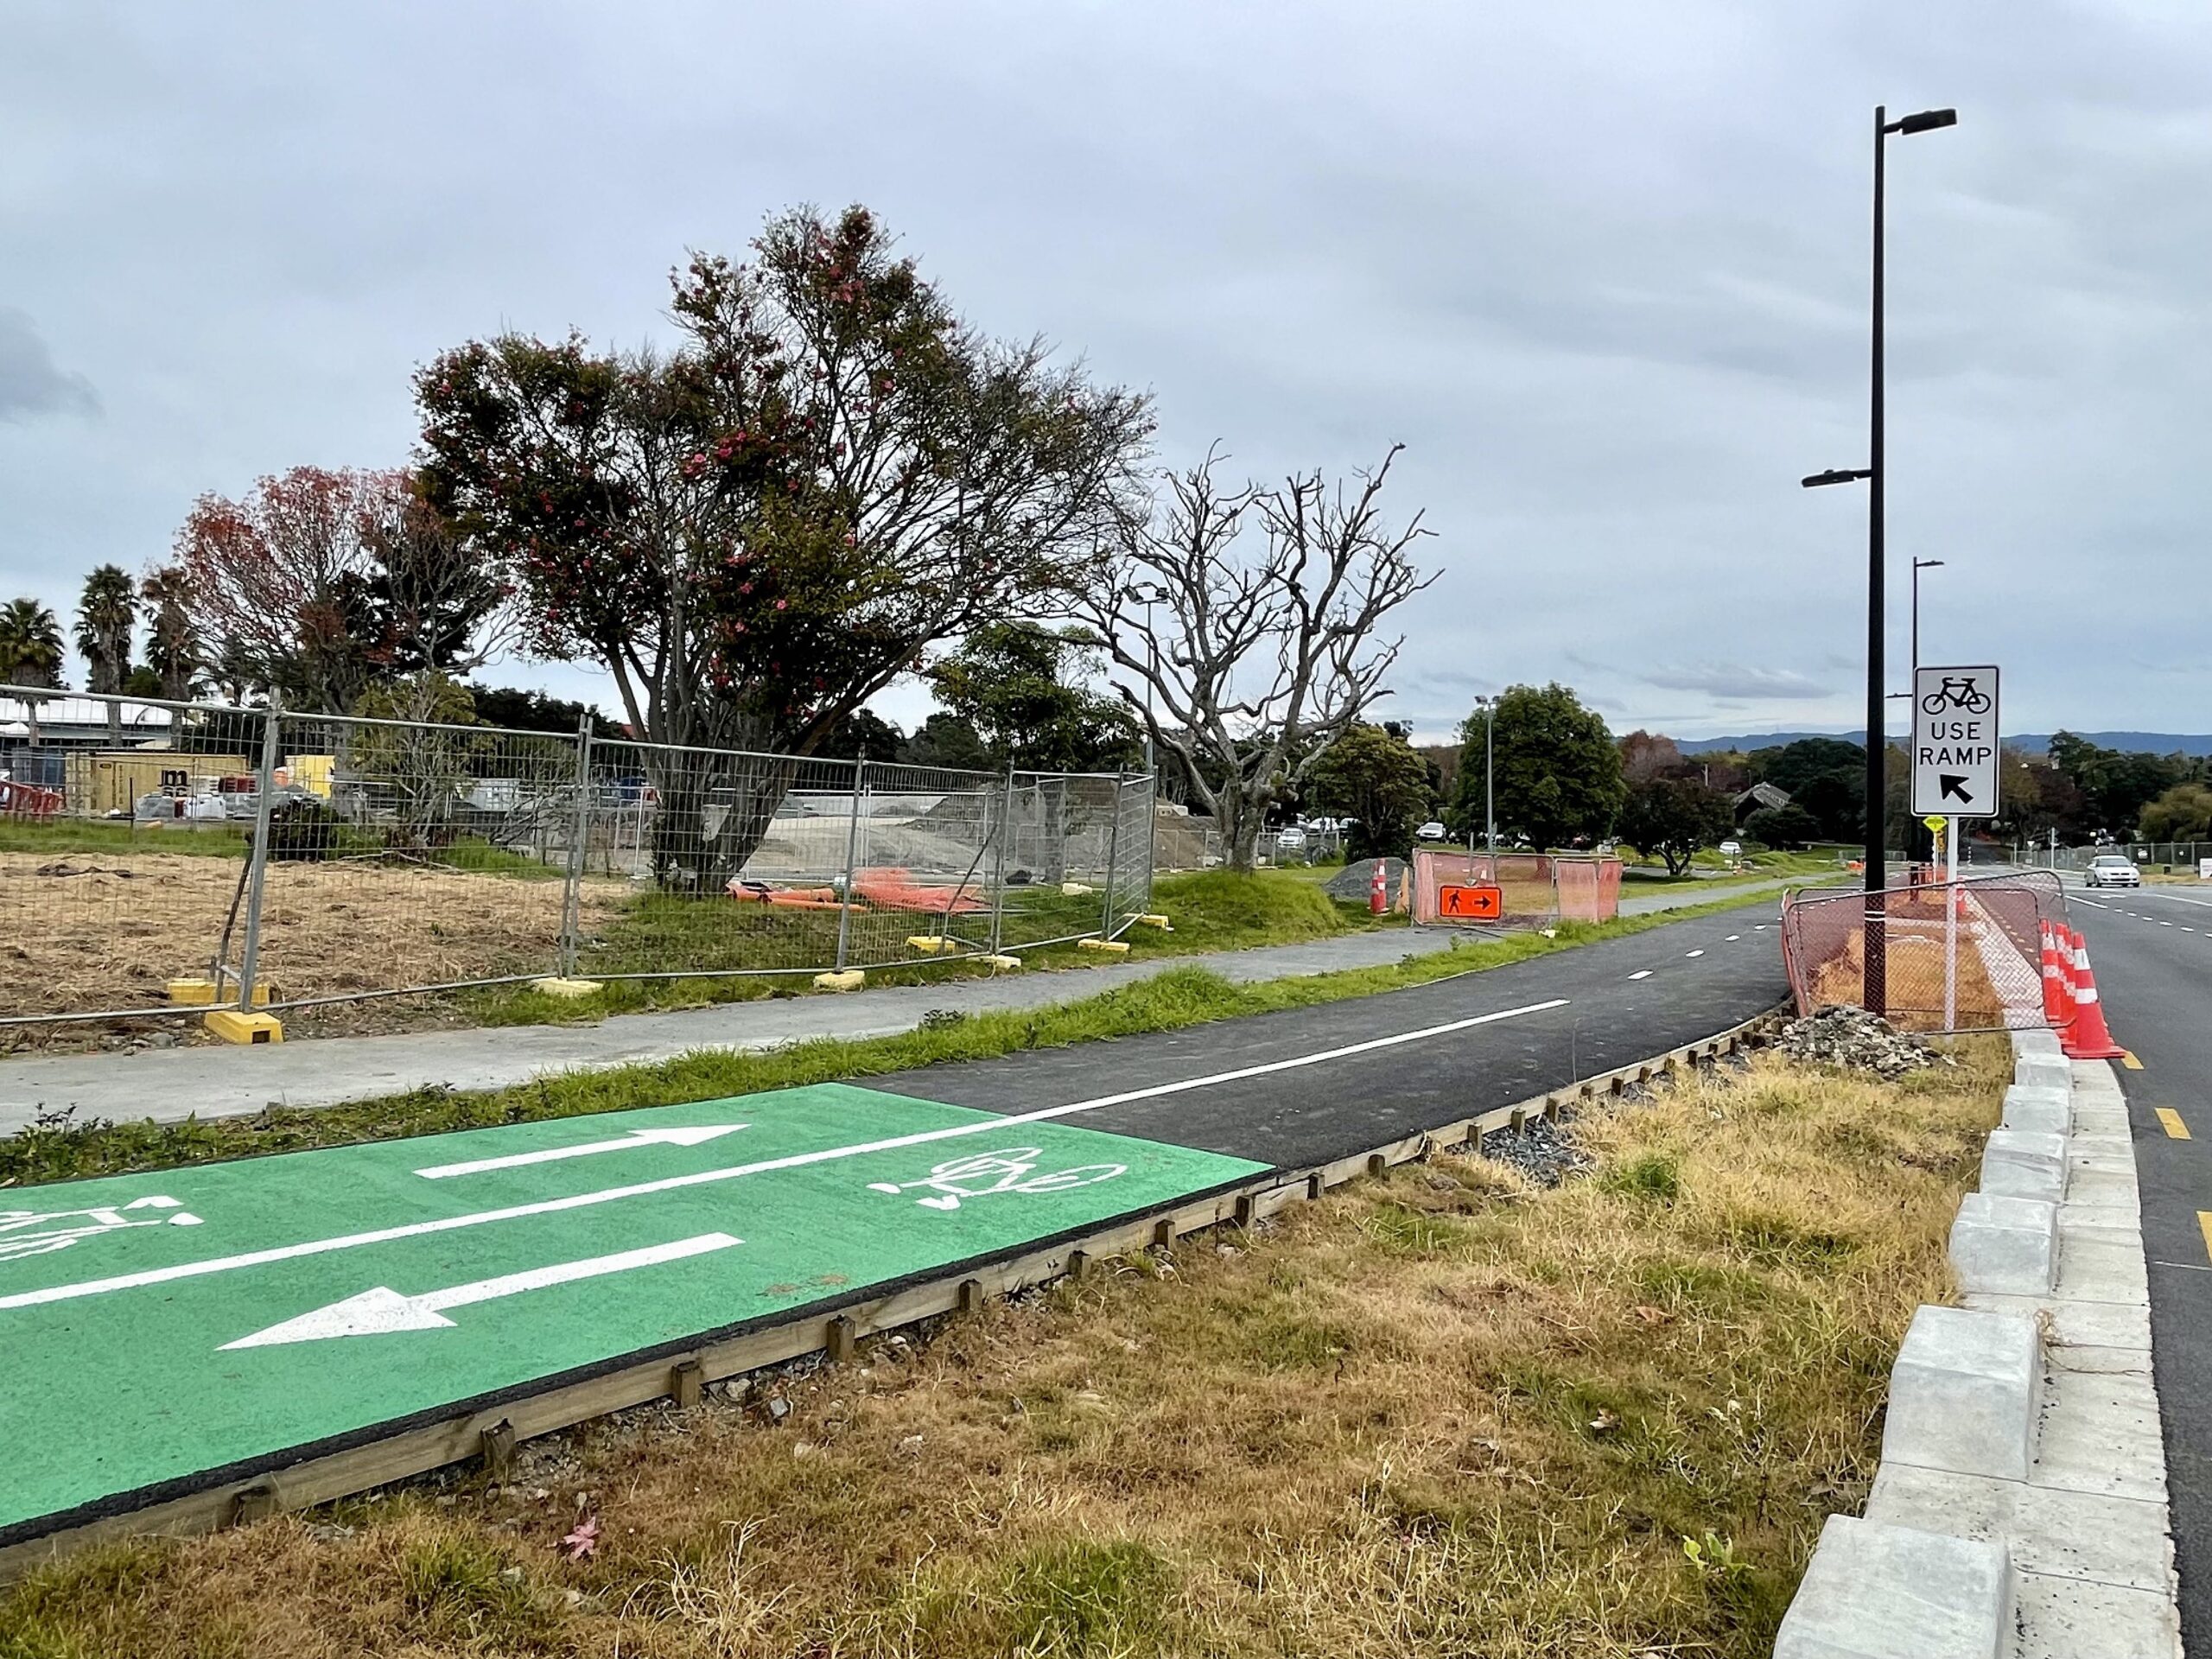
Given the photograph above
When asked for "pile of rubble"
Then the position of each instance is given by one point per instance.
(1857, 1041)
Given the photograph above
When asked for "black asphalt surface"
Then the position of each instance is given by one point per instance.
(2151, 950)
(1699, 977)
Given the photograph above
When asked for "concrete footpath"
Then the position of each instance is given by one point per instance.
(168, 1086)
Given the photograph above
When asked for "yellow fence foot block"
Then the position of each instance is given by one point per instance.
(1003, 964)
(196, 993)
(234, 1025)
(851, 980)
(1119, 947)
(1159, 922)
(1075, 889)
(570, 987)
(931, 944)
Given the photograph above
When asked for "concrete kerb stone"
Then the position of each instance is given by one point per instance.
(2019, 1164)
(1878, 1592)
(2006, 1245)
(2038, 1109)
(1962, 1394)
(2042, 1070)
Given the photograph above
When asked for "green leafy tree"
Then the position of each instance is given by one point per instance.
(1375, 778)
(1782, 828)
(945, 740)
(2182, 813)
(1558, 769)
(417, 770)
(758, 530)
(30, 646)
(106, 617)
(1015, 684)
(1673, 817)
(862, 734)
(2116, 785)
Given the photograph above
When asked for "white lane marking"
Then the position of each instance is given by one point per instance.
(2165, 924)
(2181, 898)
(1693, 953)
(708, 1177)
(378, 1312)
(2091, 903)
(1732, 939)
(630, 1142)
(1641, 973)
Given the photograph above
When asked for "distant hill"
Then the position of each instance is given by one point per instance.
(2195, 743)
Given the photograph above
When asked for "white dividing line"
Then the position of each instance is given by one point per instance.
(2091, 903)
(1641, 973)
(381, 1311)
(2179, 899)
(631, 1142)
(1693, 953)
(1732, 939)
(736, 1172)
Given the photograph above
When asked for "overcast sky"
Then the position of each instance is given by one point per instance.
(1602, 266)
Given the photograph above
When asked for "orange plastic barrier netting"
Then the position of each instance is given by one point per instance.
(1536, 888)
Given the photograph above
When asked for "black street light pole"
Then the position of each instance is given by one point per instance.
(1877, 981)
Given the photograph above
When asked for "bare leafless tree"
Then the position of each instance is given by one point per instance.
(1241, 623)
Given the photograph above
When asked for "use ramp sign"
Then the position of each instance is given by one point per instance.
(1955, 744)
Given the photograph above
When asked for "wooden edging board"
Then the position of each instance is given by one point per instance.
(493, 1434)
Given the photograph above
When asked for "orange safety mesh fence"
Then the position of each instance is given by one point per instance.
(1536, 888)
(1962, 956)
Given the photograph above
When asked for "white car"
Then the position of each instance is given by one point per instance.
(1430, 831)
(2112, 870)
(1291, 839)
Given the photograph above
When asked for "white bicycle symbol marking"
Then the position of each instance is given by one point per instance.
(981, 1174)
(17, 1240)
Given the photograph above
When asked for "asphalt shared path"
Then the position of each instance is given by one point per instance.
(2151, 951)
(169, 1084)
(218, 1320)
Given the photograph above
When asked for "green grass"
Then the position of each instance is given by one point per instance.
(118, 836)
(61, 1149)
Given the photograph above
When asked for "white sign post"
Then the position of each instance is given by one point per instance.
(1954, 775)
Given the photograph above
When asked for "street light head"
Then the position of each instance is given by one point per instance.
(1926, 120)
(1837, 475)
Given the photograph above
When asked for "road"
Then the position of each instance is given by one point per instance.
(212, 1321)
(2152, 950)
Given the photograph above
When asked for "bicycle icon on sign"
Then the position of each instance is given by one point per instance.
(1959, 691)
(983, 1174)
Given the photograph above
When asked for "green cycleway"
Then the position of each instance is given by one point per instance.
(155, 1327)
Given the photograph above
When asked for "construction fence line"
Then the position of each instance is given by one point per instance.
(331, 859)
(1513, 889)
(1956, 955)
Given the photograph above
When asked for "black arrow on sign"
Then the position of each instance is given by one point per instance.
(1956, 787)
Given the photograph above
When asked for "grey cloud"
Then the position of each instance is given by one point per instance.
(1737, 682)
(31, 383)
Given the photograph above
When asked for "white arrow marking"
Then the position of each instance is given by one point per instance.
(736, 1172)
(374, 1312)
(629, 1142)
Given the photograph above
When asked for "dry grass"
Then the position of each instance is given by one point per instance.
(1441, 1413)
(1915, 953)
(86, 931)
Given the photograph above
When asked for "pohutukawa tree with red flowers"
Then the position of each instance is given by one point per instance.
(757, 530)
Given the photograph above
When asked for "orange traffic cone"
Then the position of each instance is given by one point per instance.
(2087, 1038)
(2057, 1009)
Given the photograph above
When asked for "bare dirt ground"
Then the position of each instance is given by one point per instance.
(93, 931)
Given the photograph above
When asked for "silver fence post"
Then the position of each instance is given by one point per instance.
(257, 854)
(1113, 855)
(998, 864)
(852, 852)
(572, 905)
(1151, 833)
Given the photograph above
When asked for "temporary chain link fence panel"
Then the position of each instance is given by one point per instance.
(1528, 884)
(1964, 956)
(410, 856)
(124, 833)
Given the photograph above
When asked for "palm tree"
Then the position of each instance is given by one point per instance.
(105, 618)
(30, 652)
(172, 647)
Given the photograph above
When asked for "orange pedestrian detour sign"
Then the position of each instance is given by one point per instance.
(1481, 903)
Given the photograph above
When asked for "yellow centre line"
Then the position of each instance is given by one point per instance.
(2204, 1226)
(2170, 1121)
(2127, 1059)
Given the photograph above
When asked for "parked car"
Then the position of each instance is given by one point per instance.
(1430, 831)
(1290, 840)
(2112, 870)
